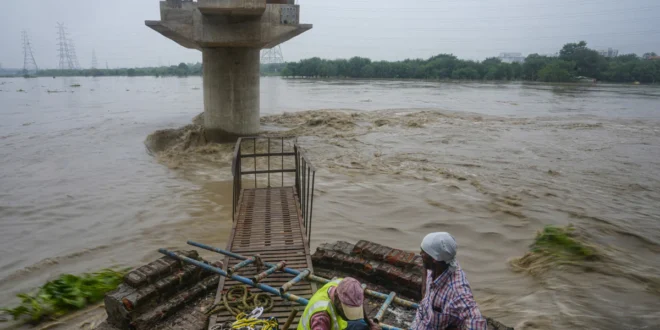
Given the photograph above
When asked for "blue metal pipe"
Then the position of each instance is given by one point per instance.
(383, 309)
(295, 280)
(402, 302)
(244, 280)
(259, 277)
(312, 277)
(240, 265)
(238, 256)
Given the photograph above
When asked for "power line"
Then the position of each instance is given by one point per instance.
(29, 64)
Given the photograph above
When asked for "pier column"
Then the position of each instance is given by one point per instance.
(230, 34)
(231, 92)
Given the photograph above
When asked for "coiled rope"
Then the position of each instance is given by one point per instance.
(238, 299)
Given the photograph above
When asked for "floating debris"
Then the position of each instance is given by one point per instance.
(65, 294)
(75, 85)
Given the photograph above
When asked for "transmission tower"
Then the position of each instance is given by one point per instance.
(272, 56)
(72, 55)
(95, 63)
(67, 52)
(29, 64)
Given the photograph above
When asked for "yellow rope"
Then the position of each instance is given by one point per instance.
(239, 299)
(242, 321)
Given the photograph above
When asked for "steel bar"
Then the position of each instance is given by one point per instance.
(244, 280)
(311, 277)
(254, 142)
(297, 161)
(272, 154)
(282, 168)
(286, 286)
(291, 170)
(381, 312)
(307, 201)
(240, 265)
(303, 191)
(289, 320)
(268, 272)
(311, 208)
(268, 159)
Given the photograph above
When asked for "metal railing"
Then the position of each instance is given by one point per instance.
(303, 171)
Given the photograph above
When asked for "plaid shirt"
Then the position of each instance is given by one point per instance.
(448, 304)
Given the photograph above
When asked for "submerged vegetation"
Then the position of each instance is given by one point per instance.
(554, 246)
(561, 242)
(65, 294)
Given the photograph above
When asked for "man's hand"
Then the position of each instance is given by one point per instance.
(373, 325)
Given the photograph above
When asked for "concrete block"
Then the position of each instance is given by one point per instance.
(149, 286)
(156, 269)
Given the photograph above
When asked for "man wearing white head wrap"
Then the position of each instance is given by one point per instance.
(448, 301)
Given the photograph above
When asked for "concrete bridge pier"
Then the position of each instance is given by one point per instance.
(230, 35)
(231, 92)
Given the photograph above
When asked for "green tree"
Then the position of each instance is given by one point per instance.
(649, 55)
(557, 71)
(533, 64)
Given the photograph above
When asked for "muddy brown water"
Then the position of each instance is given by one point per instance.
(490, 163)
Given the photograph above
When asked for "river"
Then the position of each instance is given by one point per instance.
(491, 163)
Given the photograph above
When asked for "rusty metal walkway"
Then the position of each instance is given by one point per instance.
(273, 221)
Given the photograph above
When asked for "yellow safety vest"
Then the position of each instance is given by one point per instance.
(321, 302)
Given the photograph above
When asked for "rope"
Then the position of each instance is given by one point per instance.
(239, 300)
(243, 321)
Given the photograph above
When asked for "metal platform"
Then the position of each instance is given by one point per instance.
(272, 218)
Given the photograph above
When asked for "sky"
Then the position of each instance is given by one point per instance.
(378, 29)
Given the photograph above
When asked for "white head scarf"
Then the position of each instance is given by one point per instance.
(441, 246)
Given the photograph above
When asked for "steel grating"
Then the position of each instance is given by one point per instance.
(269, 223)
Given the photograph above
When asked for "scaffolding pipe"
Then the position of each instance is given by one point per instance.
(311, 277)
(381, 312)
(268, 272)
(286, 286)
(245, 280)
(240, 265)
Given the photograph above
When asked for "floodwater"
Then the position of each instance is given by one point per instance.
(490, 163)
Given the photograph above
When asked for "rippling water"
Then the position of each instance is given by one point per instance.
(491, 163)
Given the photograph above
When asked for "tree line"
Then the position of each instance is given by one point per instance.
(180, 70)
(575, 61)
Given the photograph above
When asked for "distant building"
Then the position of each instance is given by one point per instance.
(609, 52)
(511, 57)
(654, 58)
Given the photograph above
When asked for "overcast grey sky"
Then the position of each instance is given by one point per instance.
(378, 29)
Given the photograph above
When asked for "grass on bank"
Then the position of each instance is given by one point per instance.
(555, 246)
(65, 294)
